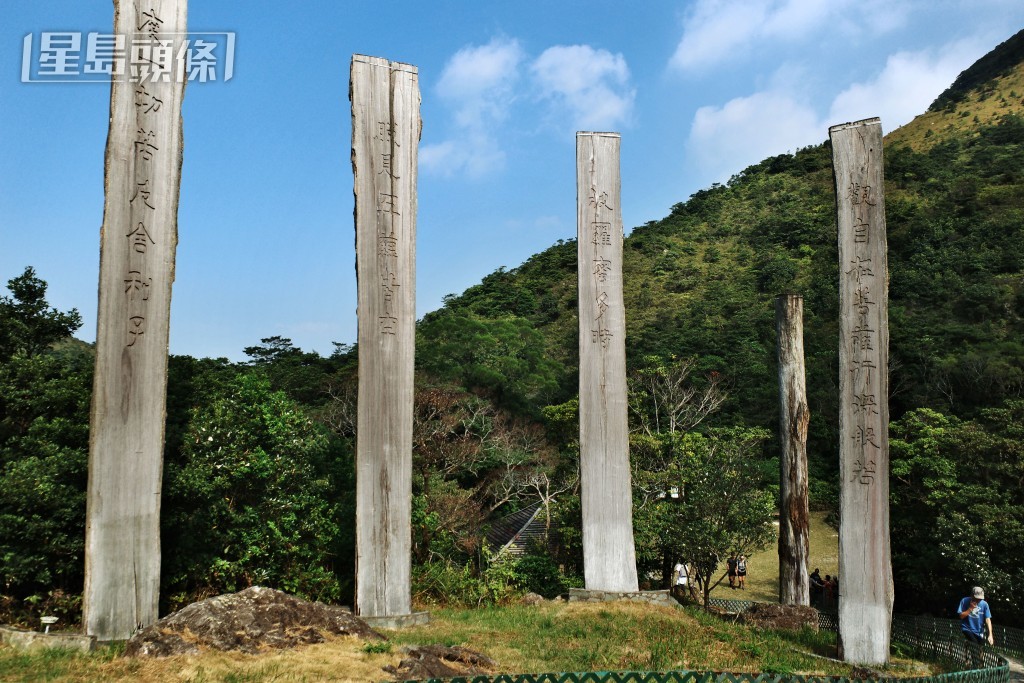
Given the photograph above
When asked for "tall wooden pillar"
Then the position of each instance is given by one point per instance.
(609, 556)
(794, 416)
(865, 569)
(385, 134)
(137, 245)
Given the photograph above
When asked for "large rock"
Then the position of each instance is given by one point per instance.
(252, 620)
(782, 617)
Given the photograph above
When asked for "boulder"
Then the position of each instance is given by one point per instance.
(531, 600)
(249, 621)
(781, 617)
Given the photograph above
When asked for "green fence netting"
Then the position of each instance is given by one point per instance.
(924, 636)
(998, 674)
(1008, 639)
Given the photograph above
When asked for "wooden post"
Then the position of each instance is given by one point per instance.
(794, 543)
(385, 134)
(609, 556)
(865, 588)
(137, 244)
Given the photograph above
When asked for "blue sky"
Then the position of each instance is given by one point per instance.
(698, 89)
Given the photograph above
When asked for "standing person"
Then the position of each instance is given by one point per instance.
(817, 587)
(741, 571)
(732, 570)
(976, 622)
(829, 592)
(682, 577)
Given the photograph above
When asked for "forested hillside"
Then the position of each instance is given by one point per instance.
(700, 285)
(259, 477)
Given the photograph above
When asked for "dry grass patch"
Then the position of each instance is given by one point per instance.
(336, 659)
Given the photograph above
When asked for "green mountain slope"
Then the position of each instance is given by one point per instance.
(700, 283)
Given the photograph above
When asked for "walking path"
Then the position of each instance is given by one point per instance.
(1016, 670)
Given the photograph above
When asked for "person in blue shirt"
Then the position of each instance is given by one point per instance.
(976, 618)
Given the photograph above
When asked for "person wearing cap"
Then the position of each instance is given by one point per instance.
(976, 618)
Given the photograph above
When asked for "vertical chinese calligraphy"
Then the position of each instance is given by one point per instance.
(864, 555)
(149, 120)
(385, 133)
(608, 550)
(137, 249)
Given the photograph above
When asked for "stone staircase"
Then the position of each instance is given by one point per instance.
(512, 535)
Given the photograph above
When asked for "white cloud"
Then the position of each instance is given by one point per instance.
(717, 31)
(724, 140)
(591, 85)
(478, 84)
(906, 86)
(473, 153)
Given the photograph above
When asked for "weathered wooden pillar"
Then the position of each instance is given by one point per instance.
(609, 556)
(865, 588)
(794, 542)
(137, 243)
(385, 135)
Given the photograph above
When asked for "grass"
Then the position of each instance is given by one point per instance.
(552, 637)
(1003, 96)
(763, 567)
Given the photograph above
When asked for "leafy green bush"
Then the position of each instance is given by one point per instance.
(538, 573)
(443, 582)
(254, 499)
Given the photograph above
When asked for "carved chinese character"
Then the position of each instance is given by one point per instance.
(388, 324)
(386, 167)
(386, 203)
(865, 471)
(864, 437)
(599, 199)
(142, 190)
(866, 366)
(140, 238)
(386, 133)
(860, 232)
(602, 335)
(136, 328)
(151, 23)
(865, 403)
(144, 146)
(860, 268)
(862, 337)
(602, 233)
(135, 284)
(861, 194)
(145, 102)
(602, 304)
(390, 288)
(602, 267)
(387, 246)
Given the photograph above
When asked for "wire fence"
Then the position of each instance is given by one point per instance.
(929, 636)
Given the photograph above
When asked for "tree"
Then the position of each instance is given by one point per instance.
(664, 399)
(503, 358)
(713, 503)
(45, 382)
(256, 499)
(300, 374)
(28, 325)
(958, 508)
